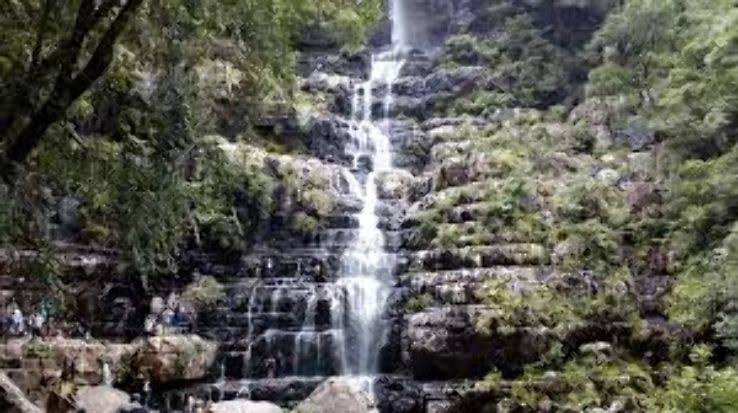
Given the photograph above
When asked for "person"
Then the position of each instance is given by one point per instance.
(167, 317)
(190, 406)
(18, 323)
(181, 318)
(150, 325)
(37, 324)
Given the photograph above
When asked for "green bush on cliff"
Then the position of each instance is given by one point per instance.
(418, 303)
(704, 204)
(588, 382)
(479, 103)
(699, 387)
(561, 304)
(677, 59)
(204, 293)
(528, 69)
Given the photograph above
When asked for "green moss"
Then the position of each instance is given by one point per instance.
(418, 303)
(205, 293)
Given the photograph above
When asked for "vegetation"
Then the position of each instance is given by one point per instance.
(628, 174)
(419, 303)
(145, 128)
(114, 105)
(204, 293)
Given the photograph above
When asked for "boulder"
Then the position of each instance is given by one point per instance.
(101, 399)
(337, 395)
(244, 406)
(396, 395)
(171, 358)
(12, 399)
(394, 184)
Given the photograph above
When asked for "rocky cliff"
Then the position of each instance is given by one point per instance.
(529, 218)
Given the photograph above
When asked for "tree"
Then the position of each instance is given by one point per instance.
(50, 82)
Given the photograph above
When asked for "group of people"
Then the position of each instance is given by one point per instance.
(166, 317)
(15, 323)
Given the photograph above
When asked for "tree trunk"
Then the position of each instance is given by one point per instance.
(67, 89)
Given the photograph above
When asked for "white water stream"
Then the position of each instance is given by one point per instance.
(367, 267)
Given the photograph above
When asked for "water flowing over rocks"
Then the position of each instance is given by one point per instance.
(360, 287)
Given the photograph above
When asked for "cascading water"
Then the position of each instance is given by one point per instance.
(367, 267)
(307, 318)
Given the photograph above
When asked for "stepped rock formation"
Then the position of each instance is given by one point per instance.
(366, 294)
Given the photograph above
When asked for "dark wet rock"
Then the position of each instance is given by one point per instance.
(328, 138)
(397, 395)
(652, 290)
(444, 343)
(479, 256)
(353, 65)
(460, 396)
(637, 136)
(457, 171)
(642, 194)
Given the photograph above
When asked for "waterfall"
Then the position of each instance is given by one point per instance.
(367, 269)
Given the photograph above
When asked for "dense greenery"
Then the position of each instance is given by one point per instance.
(634, 176)
(132, 145)
(615, 151)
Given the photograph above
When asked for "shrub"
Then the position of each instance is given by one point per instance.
(418, 303)
(204, 293)
(698, 388)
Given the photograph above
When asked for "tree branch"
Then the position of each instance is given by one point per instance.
(67, 88)
(36, 53)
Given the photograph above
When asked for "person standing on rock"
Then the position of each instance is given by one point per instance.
(37, 325)
(150, 325)
(18, 323)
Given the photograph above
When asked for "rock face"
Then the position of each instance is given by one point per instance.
(12, 399)
(33, 365)
(101, 399)
(167, 358)
(337, 395)
(275, 329)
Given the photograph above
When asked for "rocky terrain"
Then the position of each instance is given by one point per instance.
(537, 211)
